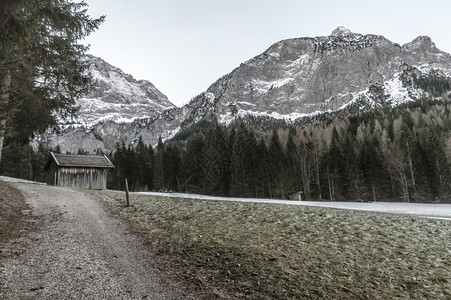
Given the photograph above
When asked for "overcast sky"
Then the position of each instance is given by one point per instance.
(183, 46)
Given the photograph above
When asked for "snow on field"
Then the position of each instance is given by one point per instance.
(436, 211)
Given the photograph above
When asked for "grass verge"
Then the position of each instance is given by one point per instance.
(235, 250)
(12, 204)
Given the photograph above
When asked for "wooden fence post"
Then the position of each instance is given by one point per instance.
(127, 195)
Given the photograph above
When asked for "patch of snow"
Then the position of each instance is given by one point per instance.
(356, 97)
(302, 60)
(246, 103)
(93, 111)
(426, 68)
(119, 98)
(398, 93)
(226, 119)
(242, 113)
(340, 31)
(171, 134)
(437, 211)
(210, 97)
(118, 83)
(327, 101)
(394, 91)
(264, 86)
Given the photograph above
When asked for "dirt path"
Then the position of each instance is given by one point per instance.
(75, 250)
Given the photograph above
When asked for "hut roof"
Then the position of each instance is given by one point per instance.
(297, 193)
(70, 160)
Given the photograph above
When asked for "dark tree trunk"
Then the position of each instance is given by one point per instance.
(4, 98)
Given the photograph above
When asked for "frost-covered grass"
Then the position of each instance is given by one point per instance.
(270, 251)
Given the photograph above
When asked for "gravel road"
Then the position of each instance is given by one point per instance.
(75, 250)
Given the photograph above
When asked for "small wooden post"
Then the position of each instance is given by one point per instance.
(127, 195)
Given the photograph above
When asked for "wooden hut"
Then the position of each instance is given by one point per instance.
(296, 196)
(78, 171)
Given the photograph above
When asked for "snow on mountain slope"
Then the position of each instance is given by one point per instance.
(116, 110)
(306, 76)
(118, 97)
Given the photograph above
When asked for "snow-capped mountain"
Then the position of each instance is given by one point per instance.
(292, 79)
(118, 97)
(299, 77)
(117, 102)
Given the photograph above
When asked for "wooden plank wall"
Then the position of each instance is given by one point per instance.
(82, 178)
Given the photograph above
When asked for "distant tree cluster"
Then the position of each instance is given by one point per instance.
(20, 160)
(134, 163)
(435, 85)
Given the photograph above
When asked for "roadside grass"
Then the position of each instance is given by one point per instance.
(236, 250)
(12, 205)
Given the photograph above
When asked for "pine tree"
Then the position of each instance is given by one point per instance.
(349, 167)
(131, 168)
(275, 167)
(159, 179)
(292, 165)
(150, 164)
(142, 166)
(115, 174)
(192, 174)
(171, 166)
(216, 161)
(243, 163)
(436, 165)
(17, 160)
(263, 180)
(42, 66)
(38, 161)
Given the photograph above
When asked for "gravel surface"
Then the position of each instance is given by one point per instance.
(75, 250)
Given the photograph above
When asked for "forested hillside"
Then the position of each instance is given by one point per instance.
(395, 154)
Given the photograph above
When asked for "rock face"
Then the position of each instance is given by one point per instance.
(109, 113)
(118, 97)
(298, 77)
(294, 78)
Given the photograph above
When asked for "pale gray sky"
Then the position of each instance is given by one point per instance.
(183, 46)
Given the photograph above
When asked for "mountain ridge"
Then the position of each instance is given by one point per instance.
(292, 79)
(325, 100)
(119, 97)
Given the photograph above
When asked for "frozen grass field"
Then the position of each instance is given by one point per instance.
(240, 249)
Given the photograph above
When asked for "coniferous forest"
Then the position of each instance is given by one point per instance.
(391, 154)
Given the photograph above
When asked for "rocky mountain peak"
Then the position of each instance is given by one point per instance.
(301, 77)
(421, 42)
(341, 31)
(118, 96)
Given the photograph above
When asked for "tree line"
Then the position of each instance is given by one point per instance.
(398, 154)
